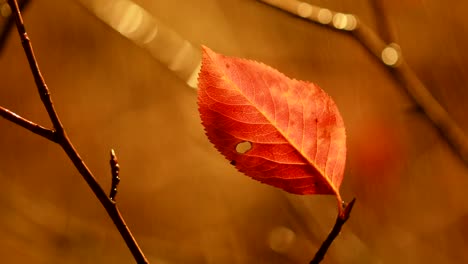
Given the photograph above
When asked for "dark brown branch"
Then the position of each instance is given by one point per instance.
(390, 55)
(108, 204)
(38, 79)
(115, 170)
(8, 24)
(63, 140)
(340, 221)
(29, 125)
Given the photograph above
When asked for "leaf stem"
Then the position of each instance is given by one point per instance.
(60, 137)
(340, 221)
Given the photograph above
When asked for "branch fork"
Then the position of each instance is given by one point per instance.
(58, 135)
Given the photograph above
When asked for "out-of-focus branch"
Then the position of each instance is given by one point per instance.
(390, 55)
(8, 20)
(60, 137)
(340, 221)
(164, 44)
(385, 27)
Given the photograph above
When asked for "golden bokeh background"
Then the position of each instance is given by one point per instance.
(182, 200)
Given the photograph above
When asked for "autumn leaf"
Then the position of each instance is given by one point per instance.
(296, 134)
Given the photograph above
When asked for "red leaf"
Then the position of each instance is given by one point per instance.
(297, 135)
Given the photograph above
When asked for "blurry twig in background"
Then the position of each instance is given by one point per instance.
(164, 44)
(340, 221)
(8, 21)
(59, 136)
(384, 25)
(390, 55)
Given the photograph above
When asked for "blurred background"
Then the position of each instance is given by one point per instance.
(128, 88)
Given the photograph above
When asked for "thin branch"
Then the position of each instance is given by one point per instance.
(115, 170)
(38, 78)
(29, 125)
(390, 55)
(9, 23)
(340, 221)
(67, 146)
(384, 25)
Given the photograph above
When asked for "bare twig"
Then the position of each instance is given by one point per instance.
(25, 123)
(38, 79)
(391, 56)
(340, 221)
(9, 22)
(115, 170)
(62, 139)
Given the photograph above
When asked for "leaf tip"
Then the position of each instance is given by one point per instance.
(205, 48)
(206, 52)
